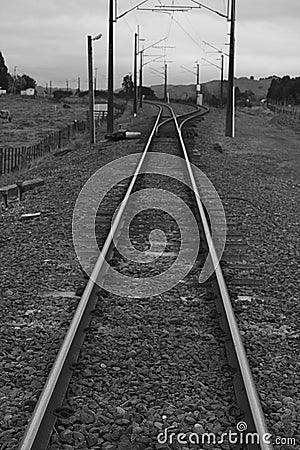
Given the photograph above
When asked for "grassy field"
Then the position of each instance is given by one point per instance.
(33, 118)
(270, 138)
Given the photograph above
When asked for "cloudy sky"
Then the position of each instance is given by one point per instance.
(47, 40)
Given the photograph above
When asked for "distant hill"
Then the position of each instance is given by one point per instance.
(183, 92)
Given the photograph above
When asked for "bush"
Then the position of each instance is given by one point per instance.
(60, 94)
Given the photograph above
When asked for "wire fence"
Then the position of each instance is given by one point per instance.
(291, 110)
(15, 158)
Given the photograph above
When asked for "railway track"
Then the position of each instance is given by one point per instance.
(152, 334)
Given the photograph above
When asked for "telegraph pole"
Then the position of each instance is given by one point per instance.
(91, 90)
(198, 93)
(141, 78)
(166, 83)
(198, 73)
(78, 84)
(95, 81)
(15, 79)
(229, 129)
(135, 74)
(221, 68)
(110, 102)
(50, 82)
(222, 79)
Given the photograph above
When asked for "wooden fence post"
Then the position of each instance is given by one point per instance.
(12, 158)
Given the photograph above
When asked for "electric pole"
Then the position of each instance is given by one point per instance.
(198, 73)
(229, 129)
(166, 83)
(135, 74)
(141, 52)
(50, 82)
(221, 68)
(110, 102)
(198, 85)
(15, 79)
(141, 78)
(222, 79)
(198, 88)
(67, 85)
(95, 81)
(91, 90)
(78, 84)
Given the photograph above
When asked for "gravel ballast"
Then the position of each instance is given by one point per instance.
(257, 177)
(40, 273)
(155, 365)
(41, 276)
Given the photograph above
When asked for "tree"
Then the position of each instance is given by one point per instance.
(23, 82)
(148, 93)
(285, 90)
(60, 94)
(128, 85)
(20, 83)
(28, 81)
(245, 98)
(3, 73)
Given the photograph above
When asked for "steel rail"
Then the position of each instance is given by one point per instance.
(252, 395)
(257, 414)
(194, 114)
(42, 408)
(179, 116)
(29, 441)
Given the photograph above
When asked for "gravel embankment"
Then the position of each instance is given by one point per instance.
(257, 177)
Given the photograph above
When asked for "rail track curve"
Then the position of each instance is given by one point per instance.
(39, 430)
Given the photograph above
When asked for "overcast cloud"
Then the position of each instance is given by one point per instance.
(47, 40)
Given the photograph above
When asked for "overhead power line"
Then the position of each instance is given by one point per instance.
(131, 9)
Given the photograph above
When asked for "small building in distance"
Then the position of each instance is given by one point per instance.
(2, 91)
(28, 91)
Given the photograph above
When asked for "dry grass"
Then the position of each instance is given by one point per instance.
(33, 118)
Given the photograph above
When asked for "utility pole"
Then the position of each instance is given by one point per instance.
(229, 129)
(46, 87)
(198, 85)
(67, 84)
(91, 90)
(141, 79)
(135, 74)
(110, 102)
(198, 73)
(166, 83)
(222, 79)
(78, 84)
(198, 88)
(15, 79)
(221, 68)
(50, 82)
(141, 52)
(95, 81)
